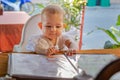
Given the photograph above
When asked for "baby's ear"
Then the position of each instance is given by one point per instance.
(64, 25)
(40, 25)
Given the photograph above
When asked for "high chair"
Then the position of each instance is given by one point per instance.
(30, 28)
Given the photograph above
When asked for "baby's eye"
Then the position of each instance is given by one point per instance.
(48, 26)
(58, 26)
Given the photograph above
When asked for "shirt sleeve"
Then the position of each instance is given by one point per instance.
(73, 44)
(37, 44)
(41, 46)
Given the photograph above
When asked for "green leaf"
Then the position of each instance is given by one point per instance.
(40, 5)
(118, 21)
(67, 28)
(90, 32)
(110, 34)
(116, 46)
(115, 31)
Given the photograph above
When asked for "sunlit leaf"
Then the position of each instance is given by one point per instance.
(115, 31)
(110, 34)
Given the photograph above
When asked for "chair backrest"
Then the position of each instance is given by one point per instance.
(30, 28)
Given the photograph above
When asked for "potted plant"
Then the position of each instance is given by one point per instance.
(114, 34)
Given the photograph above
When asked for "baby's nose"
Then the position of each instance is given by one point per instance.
(53, 28)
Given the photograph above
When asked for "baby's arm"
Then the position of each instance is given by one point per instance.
(37, 44)
(41, 46)
(72, 47)
(70, 44)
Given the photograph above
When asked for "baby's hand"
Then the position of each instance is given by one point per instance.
(70, 52)
(51, 51)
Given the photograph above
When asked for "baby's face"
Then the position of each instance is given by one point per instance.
(52, 25)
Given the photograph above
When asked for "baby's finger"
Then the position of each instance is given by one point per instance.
(50, 56)
(53, 49)
(70, 54)
(49, 50)
(74, 51)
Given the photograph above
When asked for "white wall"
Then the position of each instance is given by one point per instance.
(115, 1)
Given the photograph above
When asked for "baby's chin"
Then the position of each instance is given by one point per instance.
(53, 37)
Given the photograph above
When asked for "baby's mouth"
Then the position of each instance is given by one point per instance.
(52, 34)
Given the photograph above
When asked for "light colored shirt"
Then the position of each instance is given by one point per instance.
(40, 44)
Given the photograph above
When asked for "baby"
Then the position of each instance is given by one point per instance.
(53, 40)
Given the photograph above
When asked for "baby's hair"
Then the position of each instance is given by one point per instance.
(53, 9)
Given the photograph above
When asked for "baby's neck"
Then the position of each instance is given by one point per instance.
(54, 41)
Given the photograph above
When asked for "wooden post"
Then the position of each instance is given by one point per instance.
(81, 27)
